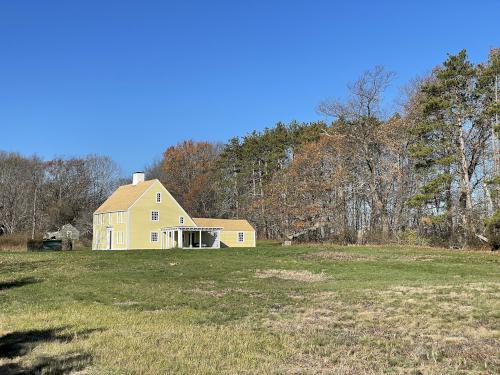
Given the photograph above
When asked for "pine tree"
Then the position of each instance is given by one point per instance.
(451, 137)
(489, 84)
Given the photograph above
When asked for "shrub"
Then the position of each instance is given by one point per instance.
(82, 243)
(493, 230)
(66, 244)
(34, 245)
(411, 237)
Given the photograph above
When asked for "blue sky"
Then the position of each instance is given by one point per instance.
(130, 78)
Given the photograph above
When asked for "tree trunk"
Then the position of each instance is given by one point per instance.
(34, 216)
(494, 142)
(466, 198)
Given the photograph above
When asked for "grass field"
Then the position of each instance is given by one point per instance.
(268, 310)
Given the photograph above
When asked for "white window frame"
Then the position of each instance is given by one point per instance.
(157, 215)
(110, 220)
(151, 237)
(158, 197)
(242, 237)
(119, 217)
(119, 238)
(181, 219)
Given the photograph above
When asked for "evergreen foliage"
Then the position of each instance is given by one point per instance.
(430, 172)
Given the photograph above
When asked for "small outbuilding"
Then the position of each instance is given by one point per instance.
(67, 232)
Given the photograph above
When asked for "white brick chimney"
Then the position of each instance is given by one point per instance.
(137, 177)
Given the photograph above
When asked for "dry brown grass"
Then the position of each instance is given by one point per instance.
(16, 242)
(302, 275)
(401, 330)
(339, 256)
(212, 293)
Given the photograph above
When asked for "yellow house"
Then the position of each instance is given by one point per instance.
(144, 215)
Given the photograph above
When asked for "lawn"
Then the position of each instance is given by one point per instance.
(268, 310)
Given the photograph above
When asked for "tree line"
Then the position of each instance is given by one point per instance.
(38, 196)
(426, 173)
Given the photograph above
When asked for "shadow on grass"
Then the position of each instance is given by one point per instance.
(63, 364)
(18, 344)
(17, 283)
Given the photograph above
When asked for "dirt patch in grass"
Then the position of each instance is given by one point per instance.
(305, 276)
(465, 292)
(223, 292)
(211, 293)
(352, 257)
(126, 303)
(422, 258)
(339, 256)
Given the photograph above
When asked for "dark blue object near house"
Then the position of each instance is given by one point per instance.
(52, 244)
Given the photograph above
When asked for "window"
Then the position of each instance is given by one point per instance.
(109, 219)
(119, 238)
(154, 236)
(119, 217)
(158, 197)
(181, 219)
(155, 215)
(98, 219)
(241, 237)
(69, 234)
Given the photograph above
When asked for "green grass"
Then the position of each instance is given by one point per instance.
(268, 310)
